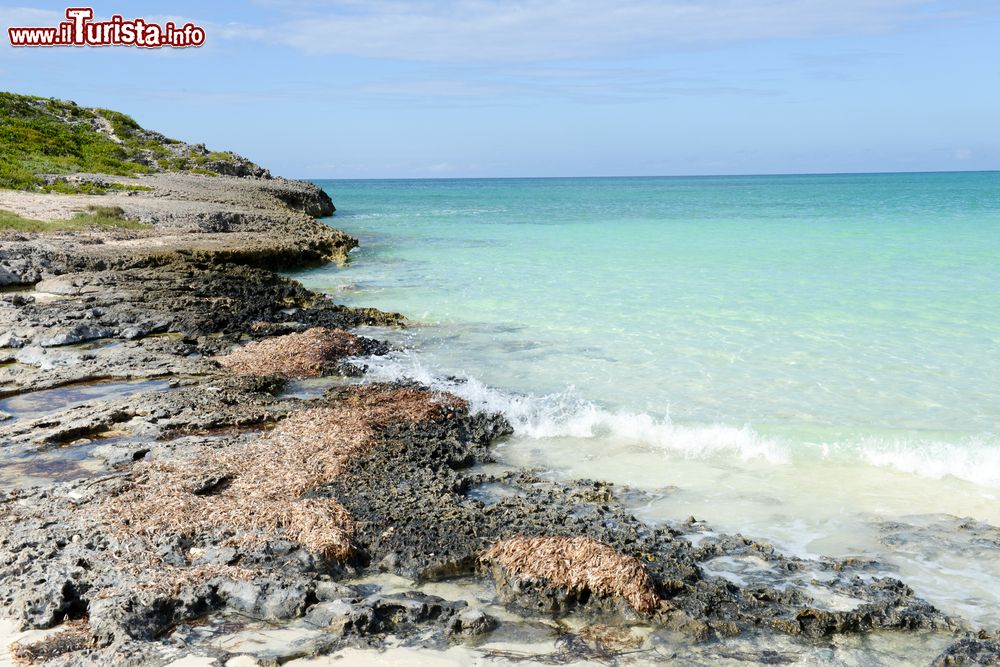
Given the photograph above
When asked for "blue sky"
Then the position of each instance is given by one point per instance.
(433, 88)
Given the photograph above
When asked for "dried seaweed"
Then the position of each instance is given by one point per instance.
(256, 488)
(74, 636)
(576, 563)
(296, 355)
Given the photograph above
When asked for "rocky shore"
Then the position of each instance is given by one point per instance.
(190, 449)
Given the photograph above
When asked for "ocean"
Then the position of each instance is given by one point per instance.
(810, 360)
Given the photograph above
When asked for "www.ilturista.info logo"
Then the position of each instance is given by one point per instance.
(81, 30)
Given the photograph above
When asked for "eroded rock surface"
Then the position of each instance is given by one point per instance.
(969, 653)
(266, 223)
(207, 485)
(409, 493)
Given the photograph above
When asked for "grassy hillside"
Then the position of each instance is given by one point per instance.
(41, 139)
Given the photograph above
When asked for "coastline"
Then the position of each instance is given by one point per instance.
(423, 495)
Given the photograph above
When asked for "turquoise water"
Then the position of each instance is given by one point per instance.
(841, 307)
(797, 357)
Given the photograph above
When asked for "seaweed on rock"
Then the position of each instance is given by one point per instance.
(295, 355)
(578, 564)
(258, 487)
(73, 636)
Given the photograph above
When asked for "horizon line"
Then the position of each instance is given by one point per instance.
(743, 175)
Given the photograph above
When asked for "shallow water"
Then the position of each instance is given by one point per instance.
(37, 403)
(799, 358)
(45, 467)
(550, 641)
(20, 468)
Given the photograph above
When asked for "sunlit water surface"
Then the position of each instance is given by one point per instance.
(799, 358)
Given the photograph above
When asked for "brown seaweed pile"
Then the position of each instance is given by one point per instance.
(576, 563)
(257, 488)
(295, 355)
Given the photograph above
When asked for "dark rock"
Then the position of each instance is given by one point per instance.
(968, 652)
(269, 599)
(402, 613)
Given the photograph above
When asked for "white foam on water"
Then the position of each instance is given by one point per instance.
(973, 459)
(564, 415)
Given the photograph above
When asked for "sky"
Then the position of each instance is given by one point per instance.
(494, 88)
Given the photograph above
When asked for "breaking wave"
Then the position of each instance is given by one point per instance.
(974, 459)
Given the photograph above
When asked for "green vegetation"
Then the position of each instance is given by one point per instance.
(172, 164)
(45, 136)
(39, 136)
(100, 217)
(195, 163)
(63, 186)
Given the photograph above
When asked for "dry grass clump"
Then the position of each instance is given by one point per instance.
(74, 636)
(576, 563)
(256, 488)
(295, 355)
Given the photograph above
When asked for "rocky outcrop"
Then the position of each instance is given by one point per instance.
(417, 507)
(59, 136)
(185, 298)
(266, 224)
(304, 197)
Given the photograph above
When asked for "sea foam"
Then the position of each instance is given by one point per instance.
(974, 459)
(564, 415)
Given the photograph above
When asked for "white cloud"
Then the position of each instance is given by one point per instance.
(534, 30)
(29, 17)
(25, 17)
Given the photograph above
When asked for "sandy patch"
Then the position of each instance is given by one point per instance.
(52, 206)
